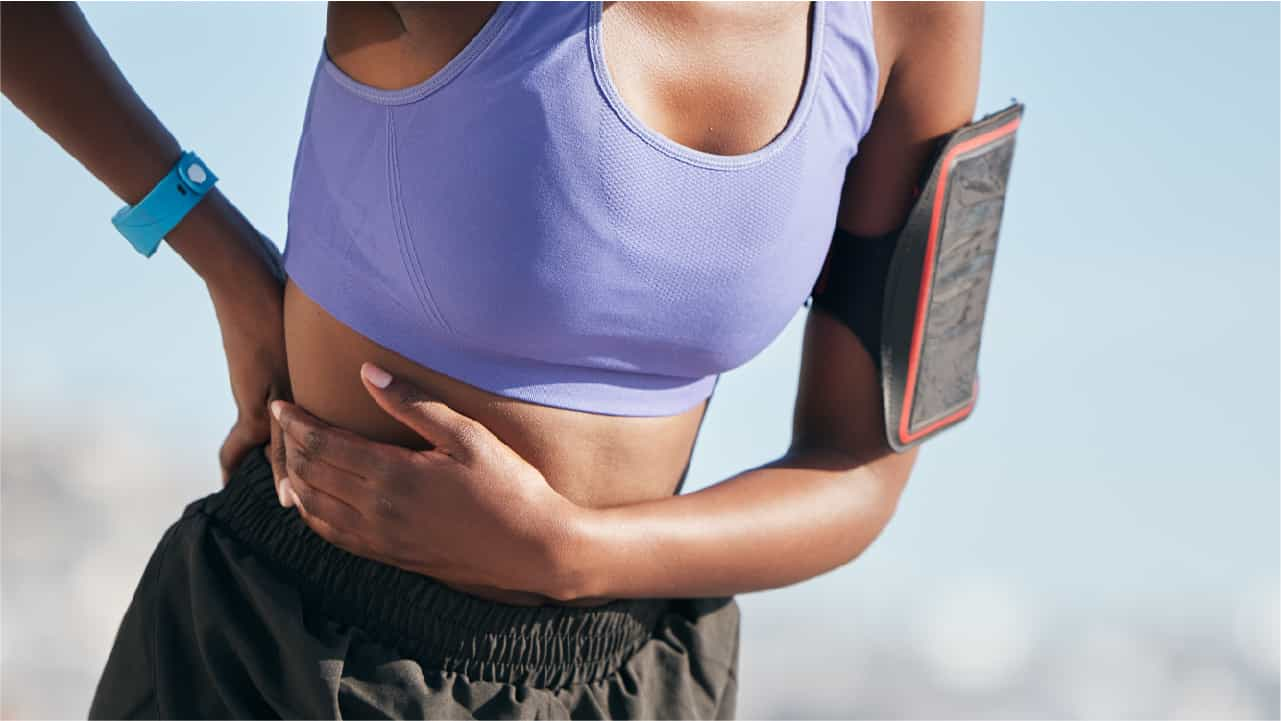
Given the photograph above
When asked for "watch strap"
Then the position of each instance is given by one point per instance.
(144, 225)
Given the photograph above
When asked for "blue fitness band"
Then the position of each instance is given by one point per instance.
(147, 223)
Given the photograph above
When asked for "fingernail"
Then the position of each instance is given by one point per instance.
(275, 409)
(372, 373)
(280, 492)
(287, 497)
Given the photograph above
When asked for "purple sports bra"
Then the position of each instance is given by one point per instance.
(511, 224)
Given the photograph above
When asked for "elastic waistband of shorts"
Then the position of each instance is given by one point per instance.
(544, 646)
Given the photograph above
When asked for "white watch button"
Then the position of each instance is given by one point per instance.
(196, 173)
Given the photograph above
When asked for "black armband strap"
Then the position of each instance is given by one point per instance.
(916, 298)
(851, 285)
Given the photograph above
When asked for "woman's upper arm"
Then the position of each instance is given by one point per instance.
(931, 90)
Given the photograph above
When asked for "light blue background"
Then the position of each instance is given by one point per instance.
(1123, 457)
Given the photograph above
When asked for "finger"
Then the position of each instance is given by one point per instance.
(335, 446)
(276, 453)
(450, 431)
(303, 468)
(344, 539)
(321, 505)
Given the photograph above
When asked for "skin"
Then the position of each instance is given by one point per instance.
(55, 70)
(569, 507)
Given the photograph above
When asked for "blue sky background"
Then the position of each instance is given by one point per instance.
(1123, 457)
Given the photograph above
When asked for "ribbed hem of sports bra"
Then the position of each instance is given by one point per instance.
(369, 319)
(477, 45)
(711, 161)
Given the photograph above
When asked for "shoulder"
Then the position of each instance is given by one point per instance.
(930, 55)
(919, 35)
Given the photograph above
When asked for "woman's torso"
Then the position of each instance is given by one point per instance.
(695, 73)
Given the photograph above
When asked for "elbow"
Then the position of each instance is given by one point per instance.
(895, 473)
(869, 484)
(892, 472)
(878, 488)
(882, 504)
(879, 472)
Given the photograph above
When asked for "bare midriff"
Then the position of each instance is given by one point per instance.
(593, 460)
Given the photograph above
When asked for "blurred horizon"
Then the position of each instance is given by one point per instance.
(1100, 539)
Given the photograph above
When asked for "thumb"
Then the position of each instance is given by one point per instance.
(276, 450)
(448, 430)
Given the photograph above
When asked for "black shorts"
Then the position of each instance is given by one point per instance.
(243, 611)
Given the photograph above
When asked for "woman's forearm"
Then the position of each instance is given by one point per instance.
(795, 518)
(56, 71)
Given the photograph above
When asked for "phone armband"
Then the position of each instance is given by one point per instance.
(917, 298)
